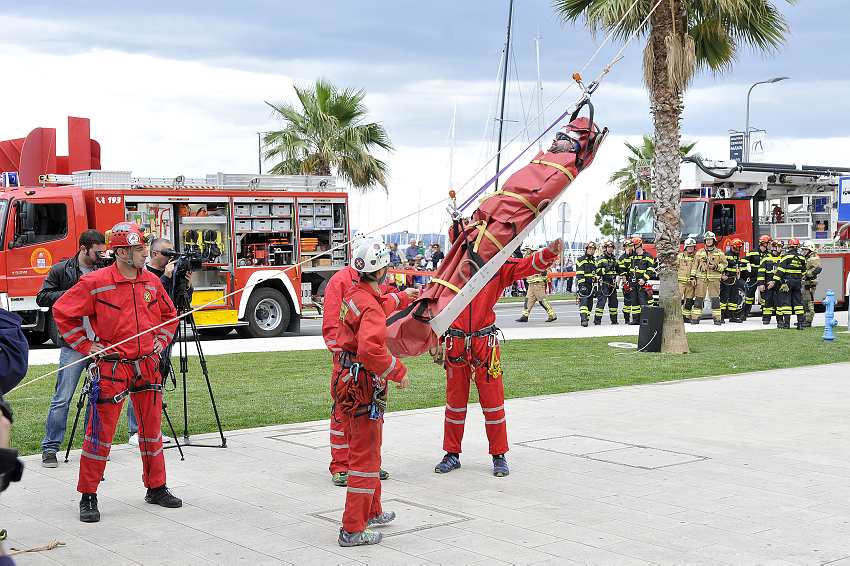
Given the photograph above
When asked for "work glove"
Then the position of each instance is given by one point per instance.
(761, 288)
(784, 288)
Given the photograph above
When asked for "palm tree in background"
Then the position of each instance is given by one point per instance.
(683, 37)
(328, 134)
(636, 173)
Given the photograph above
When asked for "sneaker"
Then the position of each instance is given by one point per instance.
(383, 474)
(166, 439)
(384, 518)
(134, 439)
(500, 466)
(88, 508)
(163, 497)
(340, 479)
(447, 464)
(358, 539)
(48, 459)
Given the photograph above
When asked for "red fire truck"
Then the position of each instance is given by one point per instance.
(247, 229)
(748, 200)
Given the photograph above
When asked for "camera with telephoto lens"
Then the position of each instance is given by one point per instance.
(184, 263)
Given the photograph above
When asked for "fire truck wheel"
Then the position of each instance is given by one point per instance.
(267, 314)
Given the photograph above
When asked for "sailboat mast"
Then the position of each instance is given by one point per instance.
(504, 88)
(452, 148)
(537, 39)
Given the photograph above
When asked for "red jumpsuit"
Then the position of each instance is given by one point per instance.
(343, 280)
(362, 336)
(481, 360)
(119, 308)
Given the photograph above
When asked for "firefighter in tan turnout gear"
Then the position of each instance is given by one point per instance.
(536, 293)
(708, 267)
(687, 285)
(810, 281)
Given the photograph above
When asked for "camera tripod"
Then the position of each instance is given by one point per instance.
(83, 399)
(182, 338)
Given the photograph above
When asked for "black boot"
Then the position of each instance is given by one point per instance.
(801, 323)
(597, 320)
(163, 497)
(614, 319)
(765, 320)
(584, 320)
(627, 319)
(522, 318)
(88, 508)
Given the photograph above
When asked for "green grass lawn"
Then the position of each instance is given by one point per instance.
(258, 389)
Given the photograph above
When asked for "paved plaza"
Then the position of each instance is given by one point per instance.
(746, 469)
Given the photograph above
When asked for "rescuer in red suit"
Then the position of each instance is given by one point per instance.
(342, 280)
(472, 352)
(121, 301)
(360, 392)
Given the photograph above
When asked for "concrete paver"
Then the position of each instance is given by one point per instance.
(766, 482)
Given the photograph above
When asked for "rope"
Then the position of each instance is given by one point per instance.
(342, 245)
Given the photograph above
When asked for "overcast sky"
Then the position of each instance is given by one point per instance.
(178, 87)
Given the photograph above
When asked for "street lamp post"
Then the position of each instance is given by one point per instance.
(747, 128)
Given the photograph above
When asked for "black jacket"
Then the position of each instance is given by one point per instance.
(62, 277)
(14, 351)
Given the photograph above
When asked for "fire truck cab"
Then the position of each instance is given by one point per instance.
(748, 200)
(245, 234)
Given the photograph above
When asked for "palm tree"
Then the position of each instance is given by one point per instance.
(328, 133)
(683, 38)
(636, 173)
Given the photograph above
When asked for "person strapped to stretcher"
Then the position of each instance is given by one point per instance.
(133, 320)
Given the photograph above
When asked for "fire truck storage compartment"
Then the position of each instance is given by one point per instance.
(264, 234)
(205, 228)
(323, 226)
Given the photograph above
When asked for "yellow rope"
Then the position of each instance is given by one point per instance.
(445, 283)
(557, 166)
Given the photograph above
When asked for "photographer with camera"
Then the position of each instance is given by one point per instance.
(14, 354)
(134, 318)
(62, 277)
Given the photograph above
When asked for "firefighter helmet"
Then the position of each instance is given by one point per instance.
(126, 234)
(690, 242)
(637, 241)
(737, 244)
(811, 247)
(764, 239)
(793, 243)
(370, 256)
(608, 244)
(627, 242)
(710, 236)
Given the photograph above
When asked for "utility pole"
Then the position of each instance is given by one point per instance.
(504, 88)
(260, 153)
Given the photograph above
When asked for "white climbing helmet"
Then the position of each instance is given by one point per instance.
(370, 255)
(710, 235)
(690, 242)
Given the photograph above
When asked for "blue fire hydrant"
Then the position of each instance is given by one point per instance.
(830, 320)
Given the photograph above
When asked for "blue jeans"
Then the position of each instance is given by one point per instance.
(66, 383)
(132, 423)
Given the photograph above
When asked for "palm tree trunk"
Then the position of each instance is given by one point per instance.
(666, 101)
